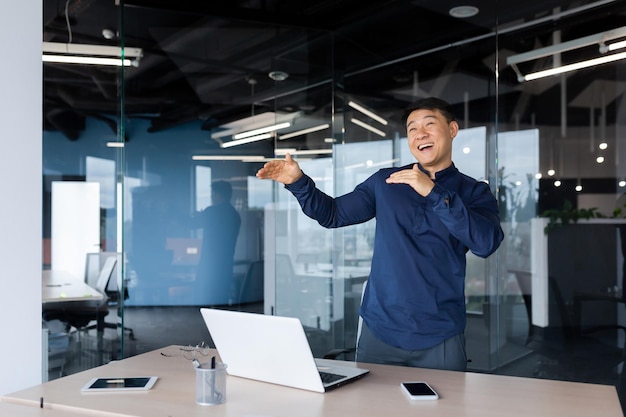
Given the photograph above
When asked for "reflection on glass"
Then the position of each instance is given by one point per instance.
(220, 223)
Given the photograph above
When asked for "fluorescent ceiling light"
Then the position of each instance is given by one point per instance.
(88, 60)
(291, 151)
(243, 158)
(115, 144)
(367, 112)
(553, 50)
(371, 164)
(246, 140)
(70, 53)
(252, 122)
(574, 66)
(368, 127)
(616, 45)
(262, 130)
(303, 131)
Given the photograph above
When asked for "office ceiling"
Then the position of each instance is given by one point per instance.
(210, 60)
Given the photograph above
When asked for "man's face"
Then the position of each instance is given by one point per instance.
(430, 138)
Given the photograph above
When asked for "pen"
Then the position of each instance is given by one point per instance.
(213, 380)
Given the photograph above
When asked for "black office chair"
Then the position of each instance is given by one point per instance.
(524, 282)
(93, 271)
(349, 352)
(79, 314)
(253, 284)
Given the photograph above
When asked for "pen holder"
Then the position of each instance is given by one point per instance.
(211, 384)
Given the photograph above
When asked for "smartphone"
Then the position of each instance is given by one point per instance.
(419, 390)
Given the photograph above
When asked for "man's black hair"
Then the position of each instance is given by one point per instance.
(430, 103)
(223, 188)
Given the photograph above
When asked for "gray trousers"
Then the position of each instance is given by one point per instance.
(449, 355)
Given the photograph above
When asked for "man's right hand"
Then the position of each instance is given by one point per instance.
(285, 171)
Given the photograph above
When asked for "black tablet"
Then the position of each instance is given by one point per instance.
(138, 383)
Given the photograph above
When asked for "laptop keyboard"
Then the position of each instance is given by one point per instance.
(328, 377)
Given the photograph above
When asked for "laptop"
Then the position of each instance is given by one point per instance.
(273, 349)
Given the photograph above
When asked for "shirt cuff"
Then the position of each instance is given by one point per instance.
(298, 184)
(439, 196)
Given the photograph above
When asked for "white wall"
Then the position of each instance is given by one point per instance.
(21, 194)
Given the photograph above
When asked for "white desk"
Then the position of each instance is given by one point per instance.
(377, 394)
(61, 286)
(23, 410)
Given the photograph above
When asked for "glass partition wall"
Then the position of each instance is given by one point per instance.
(546, 146)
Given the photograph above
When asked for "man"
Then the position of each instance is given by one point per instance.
(428, 215)
(220, 224)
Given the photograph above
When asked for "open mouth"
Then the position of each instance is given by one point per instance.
(425, 146)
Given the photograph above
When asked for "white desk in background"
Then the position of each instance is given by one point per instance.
(377, 394)
(61, 286)
(317, 297)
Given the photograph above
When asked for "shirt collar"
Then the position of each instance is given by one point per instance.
(440, 174)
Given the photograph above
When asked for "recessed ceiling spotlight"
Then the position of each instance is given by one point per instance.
(463, 12)
(108, 33)
(278, 75)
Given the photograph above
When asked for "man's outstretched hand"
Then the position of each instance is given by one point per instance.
(285, 171)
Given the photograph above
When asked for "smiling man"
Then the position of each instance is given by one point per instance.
(428, 215)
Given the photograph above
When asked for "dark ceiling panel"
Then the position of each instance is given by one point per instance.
(209, 60)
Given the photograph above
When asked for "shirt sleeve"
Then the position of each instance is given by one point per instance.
(474, 223)
(352, 208)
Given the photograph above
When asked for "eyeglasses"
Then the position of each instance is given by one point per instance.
(190, 352)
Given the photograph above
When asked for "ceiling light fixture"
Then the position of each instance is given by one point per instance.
(72, 53)
(554, 50)
(573, 67)
(243, 158)
(367, 112)
(612, 47)
(303, 131)
(463, 12)
(291, 151)
(246, 140)
(278, 75)
(261, 130)
(368, 127)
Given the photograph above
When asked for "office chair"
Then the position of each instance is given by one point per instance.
(252, 287)
(79, 314)
(111, 291)
(524, 282)
(334, 353)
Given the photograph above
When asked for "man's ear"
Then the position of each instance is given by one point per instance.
(454, 128)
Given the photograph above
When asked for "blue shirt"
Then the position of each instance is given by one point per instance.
(415, 296)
